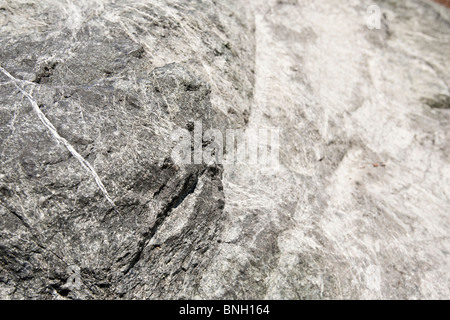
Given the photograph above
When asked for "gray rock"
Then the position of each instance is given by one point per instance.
(92, 206)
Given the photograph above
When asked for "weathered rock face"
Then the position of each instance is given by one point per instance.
(93, 206)
(114, 80)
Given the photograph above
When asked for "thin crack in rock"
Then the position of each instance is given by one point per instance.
(188, 187)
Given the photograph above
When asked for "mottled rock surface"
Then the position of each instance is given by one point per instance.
(92, 205)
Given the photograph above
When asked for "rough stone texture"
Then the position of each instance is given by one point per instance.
(359, 207)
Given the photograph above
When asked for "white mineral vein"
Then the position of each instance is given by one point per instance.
(56, 135)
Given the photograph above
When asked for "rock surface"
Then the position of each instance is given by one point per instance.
(92, 206)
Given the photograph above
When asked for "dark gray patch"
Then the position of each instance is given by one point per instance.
(440, 101)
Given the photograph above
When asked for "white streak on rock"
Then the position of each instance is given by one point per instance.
(58, 138)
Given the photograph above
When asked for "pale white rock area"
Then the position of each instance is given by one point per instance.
(360, 206)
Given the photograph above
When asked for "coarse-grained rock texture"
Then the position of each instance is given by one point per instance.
(92, 205)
